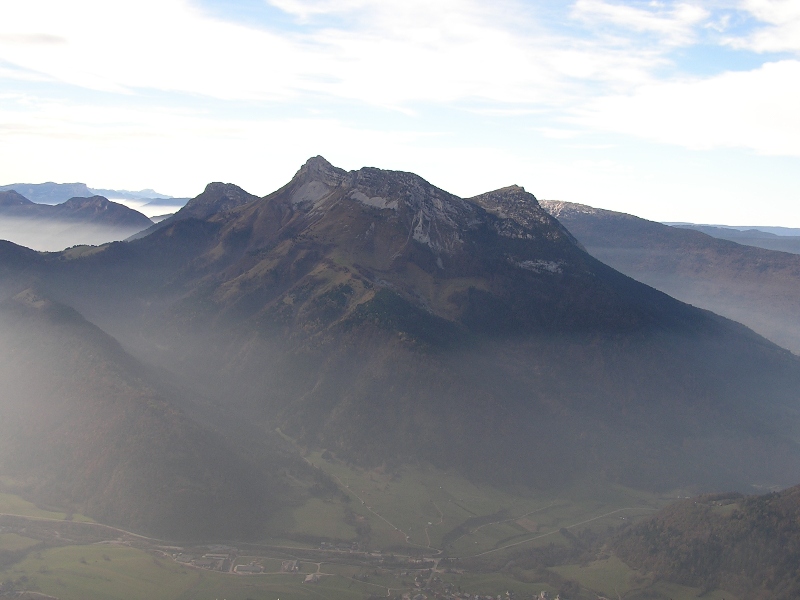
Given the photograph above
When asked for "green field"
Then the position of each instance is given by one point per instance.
(103, 572)
(417, 509)
(411, 512)
(14, 505)
(13, 542)
(613, 578)
(492, 582)
(323, 519)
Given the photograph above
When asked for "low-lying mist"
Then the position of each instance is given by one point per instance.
(86, 427)
(54, 236)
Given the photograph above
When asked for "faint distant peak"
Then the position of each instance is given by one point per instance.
(145, 194)
(57, 193)
(49, 193)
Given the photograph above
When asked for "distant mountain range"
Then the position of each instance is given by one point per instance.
(755, 286)
(92, 220)
(56, 193)
(749, 229)
(787, 240)
(95, 210)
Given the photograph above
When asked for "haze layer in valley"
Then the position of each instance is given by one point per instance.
(90, 220)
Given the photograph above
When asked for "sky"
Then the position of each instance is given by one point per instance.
(673, 111)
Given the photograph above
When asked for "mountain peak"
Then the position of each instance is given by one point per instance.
(13, 198)
(88, 201)
(317, 168)
(101, 210)
(217, 197)
(317, 162)
(513, 203)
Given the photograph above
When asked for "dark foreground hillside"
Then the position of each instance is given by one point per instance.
(749, 545)
(83, 427)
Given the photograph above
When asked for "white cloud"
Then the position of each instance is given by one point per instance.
(675, 25)
(305, 9)
(752, 109)
(394, 54)
(781, 32)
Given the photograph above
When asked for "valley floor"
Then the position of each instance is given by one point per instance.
(413, 534)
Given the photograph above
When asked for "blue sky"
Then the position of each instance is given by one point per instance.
(675, 111)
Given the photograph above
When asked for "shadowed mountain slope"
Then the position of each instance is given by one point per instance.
(216, 198)
(377, 315)
(86, 427)
(757, 287)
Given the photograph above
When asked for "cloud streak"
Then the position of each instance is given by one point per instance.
(675, 25)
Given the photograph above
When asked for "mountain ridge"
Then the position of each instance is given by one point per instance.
(56, 193)
(78, 220)
(755, 286)
(374, 314)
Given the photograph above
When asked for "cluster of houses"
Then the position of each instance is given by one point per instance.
(252, 569)
(210, 562)
(462, 596)
(290, 566)
(341, 546)
(218, 558)
(448, 594)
